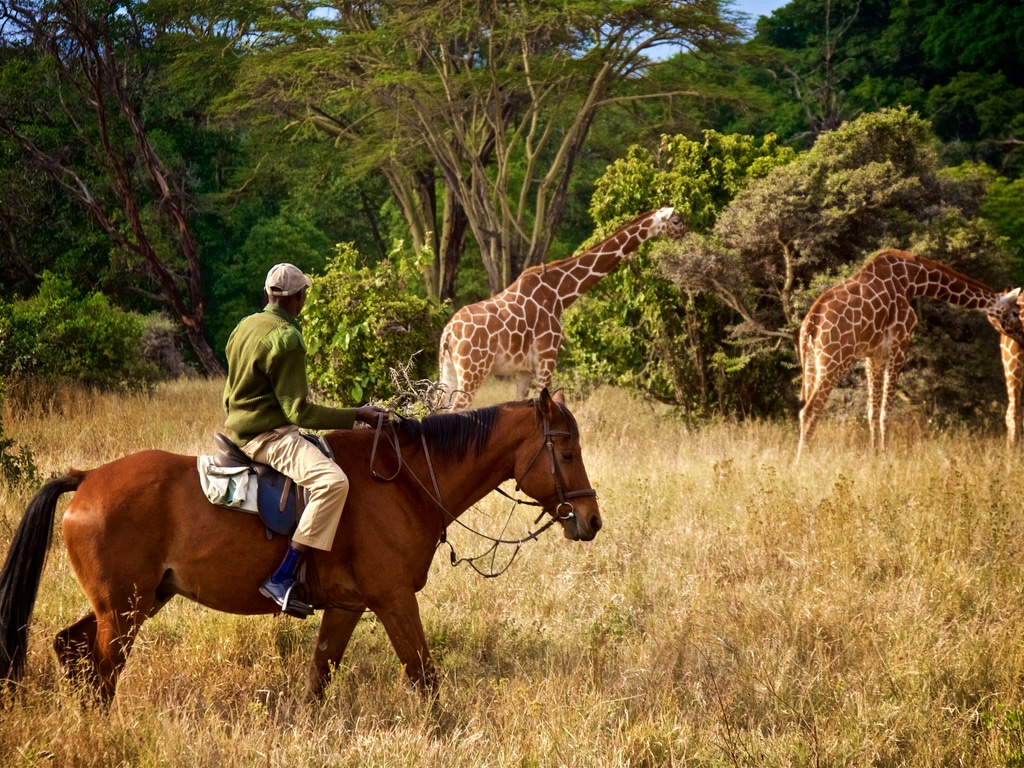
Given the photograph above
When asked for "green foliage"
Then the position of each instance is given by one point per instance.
(959, 61)
(62, 333)
(17, 465)
(873, 183)
(361, 322)
(698, 178)
(239, 281)
(1010, 731)
(1002, 207)
(637, 329)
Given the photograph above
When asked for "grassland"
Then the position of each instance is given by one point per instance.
(735, 611)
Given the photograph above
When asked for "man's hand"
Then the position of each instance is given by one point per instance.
(371, 414)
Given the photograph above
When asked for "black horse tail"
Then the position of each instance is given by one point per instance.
(20, 577)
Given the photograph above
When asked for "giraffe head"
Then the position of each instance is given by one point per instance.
(1005, 314)
(667, 223)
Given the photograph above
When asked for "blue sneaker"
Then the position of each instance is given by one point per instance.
(281, 593)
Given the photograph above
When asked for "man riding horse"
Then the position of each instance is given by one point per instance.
(266, 399)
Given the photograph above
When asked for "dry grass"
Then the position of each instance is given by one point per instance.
(735, 610)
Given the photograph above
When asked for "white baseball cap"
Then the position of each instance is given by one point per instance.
(285, 280)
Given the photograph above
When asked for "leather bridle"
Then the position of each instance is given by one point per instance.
(560, 510)
(563, 508)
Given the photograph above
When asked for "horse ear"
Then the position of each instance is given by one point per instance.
(547, 404)
(559, 396)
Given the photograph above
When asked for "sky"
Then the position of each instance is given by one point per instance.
(757, 8)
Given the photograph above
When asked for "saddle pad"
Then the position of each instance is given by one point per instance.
(231, 487)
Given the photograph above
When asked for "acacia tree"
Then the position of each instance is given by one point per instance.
(873, 183)
(475, 113)
(91, 60)
(637, 329)
(771, 230)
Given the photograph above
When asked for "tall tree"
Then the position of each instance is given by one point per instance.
(94, 60)
(637, 329)
(783, 238)
(475, 113)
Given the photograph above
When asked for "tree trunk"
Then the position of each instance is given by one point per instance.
(453, 240)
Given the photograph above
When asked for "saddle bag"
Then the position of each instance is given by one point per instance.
(232, 480)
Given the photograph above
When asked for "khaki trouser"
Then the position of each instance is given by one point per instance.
(287, 451)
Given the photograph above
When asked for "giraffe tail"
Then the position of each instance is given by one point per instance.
(804, 357)
(446, 366)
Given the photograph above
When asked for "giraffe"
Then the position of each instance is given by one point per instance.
(1012, 355)
(518, 331)
(869, 316)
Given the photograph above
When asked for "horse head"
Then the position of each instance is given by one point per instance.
(551, 470)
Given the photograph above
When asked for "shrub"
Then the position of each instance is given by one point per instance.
(362, 322)
(15, 467)
(62, 334)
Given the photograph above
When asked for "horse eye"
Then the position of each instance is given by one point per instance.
(566, 455)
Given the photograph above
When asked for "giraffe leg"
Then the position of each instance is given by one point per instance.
(875, 372)
(465, 358)
(893, 367)
(523, 381)
(1013, 412)
(469, 374)
(545, 370)
(826, 375)
(1013, 370)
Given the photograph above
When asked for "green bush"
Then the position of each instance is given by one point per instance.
(20, 466)
(360, 323)
(16, 466)
(638, 330)
(62, 334)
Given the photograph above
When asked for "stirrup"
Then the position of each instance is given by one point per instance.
(289, 605)
(296, 608)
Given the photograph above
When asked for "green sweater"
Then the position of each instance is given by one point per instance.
(266, 386)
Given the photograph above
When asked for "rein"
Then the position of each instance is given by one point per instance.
(562, 510)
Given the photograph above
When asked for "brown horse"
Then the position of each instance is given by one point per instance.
(139, 531)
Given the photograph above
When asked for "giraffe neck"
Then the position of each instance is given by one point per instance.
(937, 281)
(571, 278)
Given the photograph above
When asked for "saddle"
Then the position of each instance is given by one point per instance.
(232, 480)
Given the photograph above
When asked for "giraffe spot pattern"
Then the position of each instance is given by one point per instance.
(518, 331)
(869, 316)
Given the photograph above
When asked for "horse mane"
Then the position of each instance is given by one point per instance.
(453, 435)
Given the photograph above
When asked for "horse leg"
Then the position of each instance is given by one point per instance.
(95, 658)
(72, 645)
(115, 634)
(401, 619)
(336, 627)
